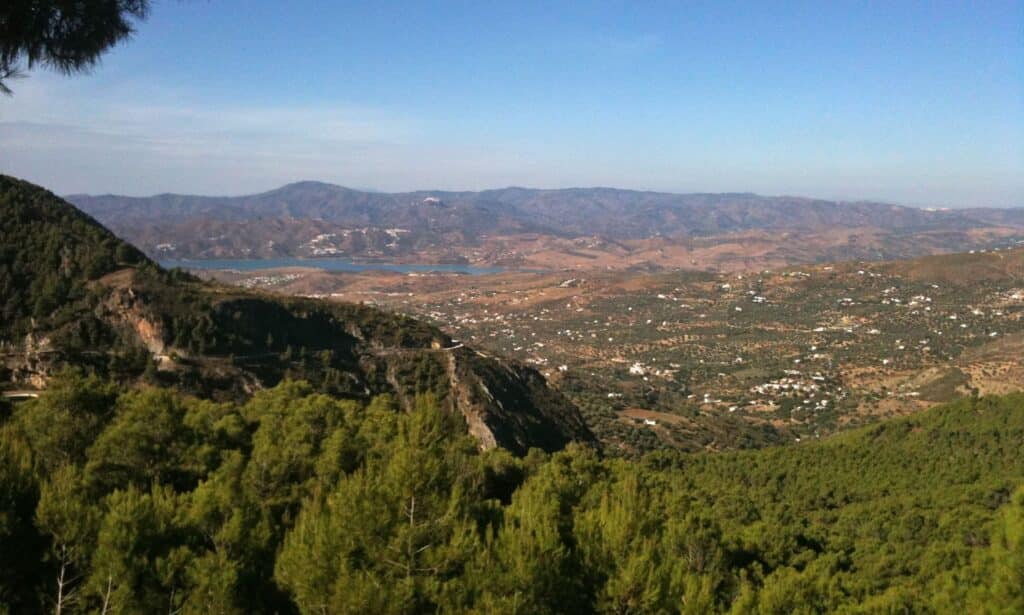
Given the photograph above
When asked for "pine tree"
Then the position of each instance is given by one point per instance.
(65, 514)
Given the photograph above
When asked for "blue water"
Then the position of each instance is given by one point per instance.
(326, 264)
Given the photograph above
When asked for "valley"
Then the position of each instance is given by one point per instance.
(696, 322)
(260, 439)
(599, 308)
(716, 361)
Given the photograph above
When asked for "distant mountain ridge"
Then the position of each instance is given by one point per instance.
(611, 212)
(285, 221)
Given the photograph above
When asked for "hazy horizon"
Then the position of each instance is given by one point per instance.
(905, 103)
(229, 195)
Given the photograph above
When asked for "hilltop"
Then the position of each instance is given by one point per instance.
(75, 295)
(583, 228)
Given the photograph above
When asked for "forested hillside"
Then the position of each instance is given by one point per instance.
(142, 501)
(48, 255)
(77, 296)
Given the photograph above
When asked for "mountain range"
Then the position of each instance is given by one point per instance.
(531, 227)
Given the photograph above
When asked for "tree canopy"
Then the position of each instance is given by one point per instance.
(132, 501)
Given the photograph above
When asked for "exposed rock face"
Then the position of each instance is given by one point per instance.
(504, 404)
(510, 405)
(123, 309)
(31, 363)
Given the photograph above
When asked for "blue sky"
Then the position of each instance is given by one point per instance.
(919, 103)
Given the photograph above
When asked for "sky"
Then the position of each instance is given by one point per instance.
(919, 103)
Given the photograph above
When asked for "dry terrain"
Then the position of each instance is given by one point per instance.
(724, 360)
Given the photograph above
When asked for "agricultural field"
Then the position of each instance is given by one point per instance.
(712, 361)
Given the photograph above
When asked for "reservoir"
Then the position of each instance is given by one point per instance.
(325, 264)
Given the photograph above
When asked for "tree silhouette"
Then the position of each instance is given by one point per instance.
(64, 35)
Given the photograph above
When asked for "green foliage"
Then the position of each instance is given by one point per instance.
(293, 425)
(66, 514)
(22, 545)
(49, 252)
(142, 554)
(295, 501)
(61, 425)
(146, 443)
(1001, 569)
(391, 535)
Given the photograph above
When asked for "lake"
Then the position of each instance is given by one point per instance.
(325, 264)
